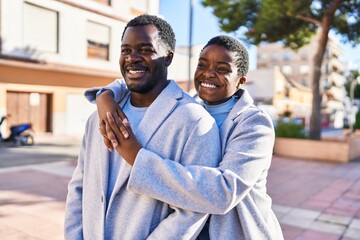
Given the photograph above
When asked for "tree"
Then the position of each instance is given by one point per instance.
(294, 23)
(352, 77)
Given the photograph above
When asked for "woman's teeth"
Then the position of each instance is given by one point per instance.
(208, 85)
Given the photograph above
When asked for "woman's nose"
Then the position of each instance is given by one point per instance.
(209, 74)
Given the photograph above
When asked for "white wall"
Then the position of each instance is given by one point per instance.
(72, 30)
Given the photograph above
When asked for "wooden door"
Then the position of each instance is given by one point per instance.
(29, 107)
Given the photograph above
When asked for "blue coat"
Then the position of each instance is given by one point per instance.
(174, 127)
(235, 192)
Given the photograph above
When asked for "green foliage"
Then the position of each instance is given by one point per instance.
(357, 120)
(289, 130)
(352, 77)
(293, 22)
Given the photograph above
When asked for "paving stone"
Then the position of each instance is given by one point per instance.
(327, 227)
(291, 232)
(317, 235)
(296, 221)
(281, 211)
(352, 233)
(304, 213)
(355, 223)
(337, 219)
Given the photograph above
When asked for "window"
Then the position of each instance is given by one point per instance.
(98, 39)
(274, 57)
(40, 28)
(287, 56)
(304, 69)
(138, 7)
(286, 69)
(105, 2)
(264, 56)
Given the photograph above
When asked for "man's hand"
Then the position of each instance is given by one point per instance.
(105, 103)
(128, 146)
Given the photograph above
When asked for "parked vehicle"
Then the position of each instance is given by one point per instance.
(19, 134)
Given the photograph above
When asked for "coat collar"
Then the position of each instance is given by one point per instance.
(158, 112)
(244, 102)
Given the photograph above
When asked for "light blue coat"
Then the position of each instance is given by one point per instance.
(174, 127)
(234, 192)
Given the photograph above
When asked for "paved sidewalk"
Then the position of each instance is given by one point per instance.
(313, 200)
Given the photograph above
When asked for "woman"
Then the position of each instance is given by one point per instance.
(234, 192)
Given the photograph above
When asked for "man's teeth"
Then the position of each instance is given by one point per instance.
(208, 85)
(136, 71)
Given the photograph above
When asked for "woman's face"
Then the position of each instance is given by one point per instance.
(216, 75)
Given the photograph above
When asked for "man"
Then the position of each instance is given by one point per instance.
(165, 120)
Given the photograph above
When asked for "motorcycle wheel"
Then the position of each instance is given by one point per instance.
(27, 140)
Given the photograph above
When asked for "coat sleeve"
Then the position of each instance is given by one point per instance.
(186, 223)
(73, 225)
(204, 189)
(118, 87)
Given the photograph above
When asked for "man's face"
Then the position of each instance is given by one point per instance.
(216, 75)
(143, 61)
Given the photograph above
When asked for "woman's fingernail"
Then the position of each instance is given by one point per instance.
(110, 150)
(125, 121)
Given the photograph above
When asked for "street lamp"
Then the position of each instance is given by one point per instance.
(352, 93)
(191, 9)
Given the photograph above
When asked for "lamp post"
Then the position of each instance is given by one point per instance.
(352, 93)
(191, 7)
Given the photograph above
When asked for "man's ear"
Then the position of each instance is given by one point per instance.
(169, 58)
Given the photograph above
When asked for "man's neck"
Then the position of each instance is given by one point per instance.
(146, 99)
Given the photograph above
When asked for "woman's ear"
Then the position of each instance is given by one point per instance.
(169, 58)
(242, 80)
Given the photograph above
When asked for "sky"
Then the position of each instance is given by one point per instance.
(205, 26)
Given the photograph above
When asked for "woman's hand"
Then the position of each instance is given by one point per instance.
(105, 103)
(128, 146)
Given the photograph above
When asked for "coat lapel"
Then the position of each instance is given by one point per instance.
(244, 102)
(156, 114)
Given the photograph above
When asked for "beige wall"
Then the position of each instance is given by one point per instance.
(60, 82)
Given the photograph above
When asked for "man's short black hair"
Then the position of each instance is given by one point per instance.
(233, 45)
(166, 32)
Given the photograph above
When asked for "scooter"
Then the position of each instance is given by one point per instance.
(19, 134)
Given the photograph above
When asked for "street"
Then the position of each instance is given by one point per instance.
(312, 200)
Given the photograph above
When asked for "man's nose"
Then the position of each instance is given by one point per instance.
(133, 56)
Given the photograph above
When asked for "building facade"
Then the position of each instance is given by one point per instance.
(297, 67)
(51, 51)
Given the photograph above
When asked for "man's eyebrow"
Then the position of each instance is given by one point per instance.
(139, 45)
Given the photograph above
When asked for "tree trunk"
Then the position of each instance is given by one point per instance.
(315, 119)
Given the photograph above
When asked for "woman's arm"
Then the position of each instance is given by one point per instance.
(209, 190)
(107, 99)
(117, 87)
